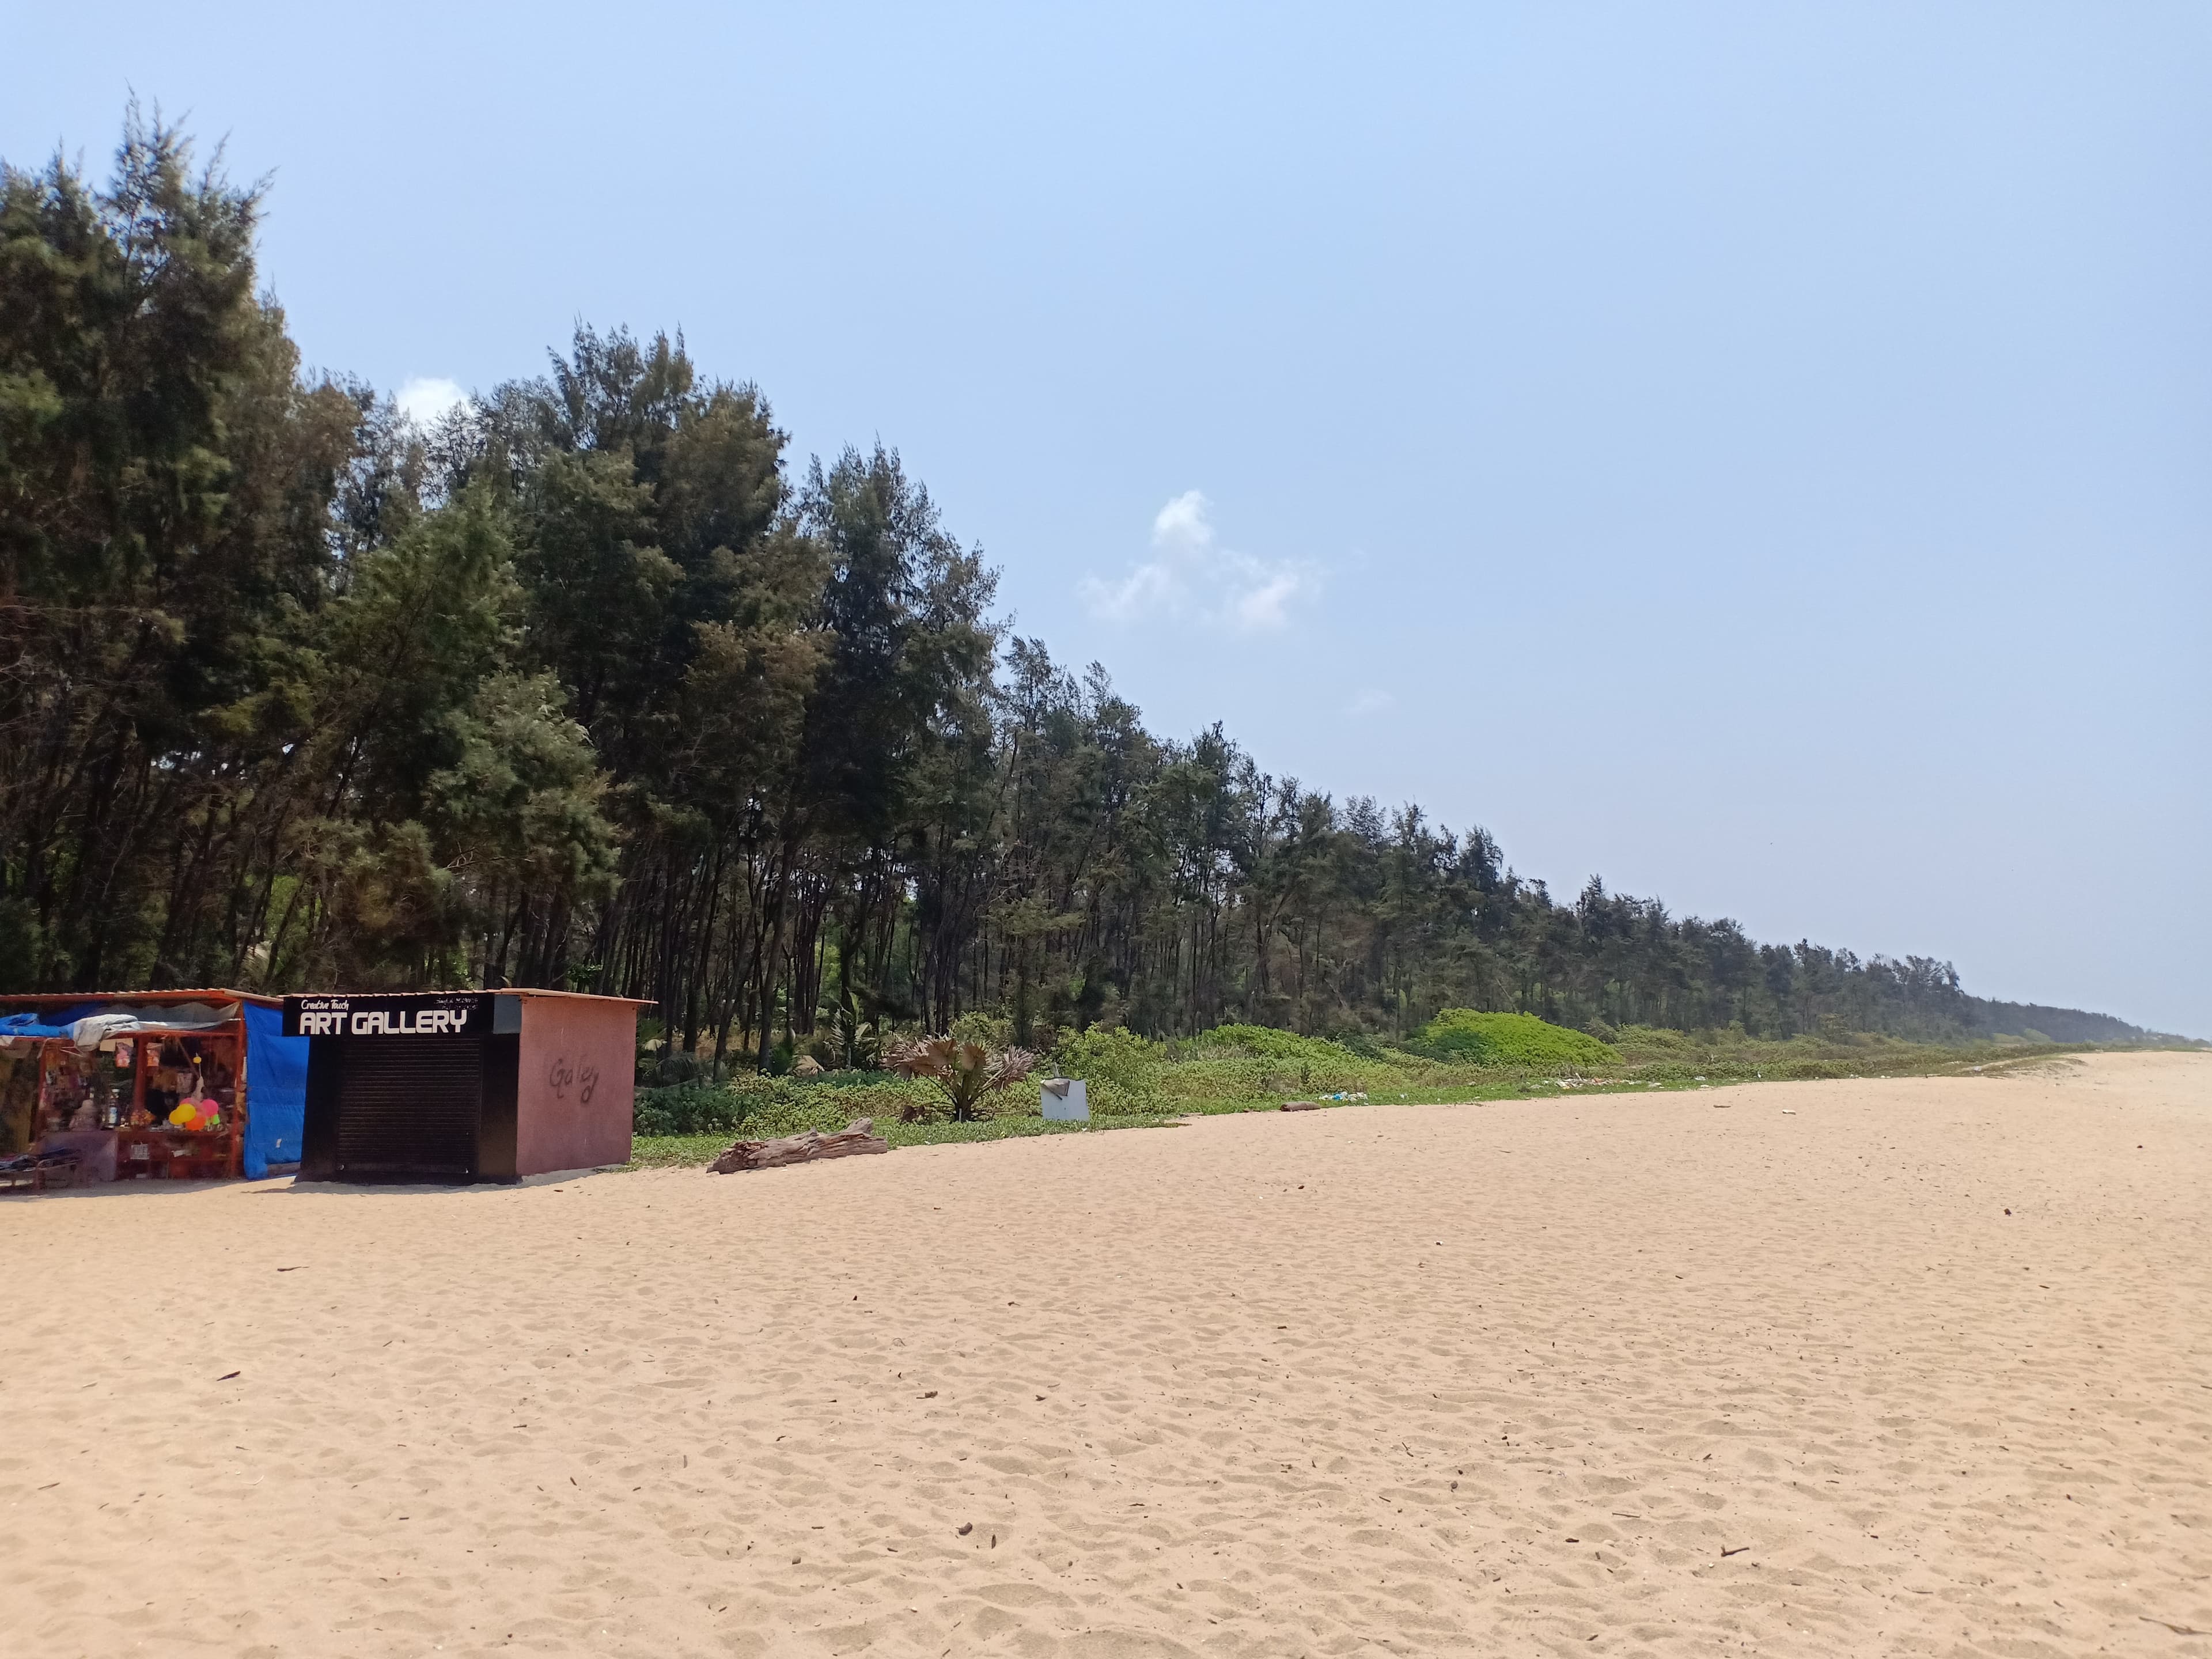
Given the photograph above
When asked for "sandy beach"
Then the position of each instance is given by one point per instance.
(1880, 1367)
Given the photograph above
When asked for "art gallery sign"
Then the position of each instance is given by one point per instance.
(460, 1013)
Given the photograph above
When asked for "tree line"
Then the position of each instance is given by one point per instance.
(591, 684)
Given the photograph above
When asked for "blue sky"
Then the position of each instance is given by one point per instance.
(1755, 453)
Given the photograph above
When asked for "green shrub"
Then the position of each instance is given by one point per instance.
(1122, 1068)
(1523, 1040)
(1128, 1075)
(1131, 1075)
(1265, 1043)
(992, 1030)
(687, 1108)
(1109, 1098)
(760, 1107)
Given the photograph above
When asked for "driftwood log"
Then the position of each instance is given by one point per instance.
(1302, 1105)
(855, 1138)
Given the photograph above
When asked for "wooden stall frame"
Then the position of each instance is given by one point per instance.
(233, 1031)
(233, 1152)
(234, 1117)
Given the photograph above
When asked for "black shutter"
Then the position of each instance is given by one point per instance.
(409, 1106)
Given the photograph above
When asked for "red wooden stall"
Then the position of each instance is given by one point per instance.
(128, 1084)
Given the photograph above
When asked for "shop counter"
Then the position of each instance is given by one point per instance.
(172, 1155)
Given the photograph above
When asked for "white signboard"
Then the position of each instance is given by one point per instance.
(1067, 1098)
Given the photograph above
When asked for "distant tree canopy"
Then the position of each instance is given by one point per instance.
(587, 686)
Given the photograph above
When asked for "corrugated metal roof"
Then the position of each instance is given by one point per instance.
(579, 996)
(45, 999)
(201, 994)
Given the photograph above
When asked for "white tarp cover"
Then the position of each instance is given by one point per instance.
(90, 1032)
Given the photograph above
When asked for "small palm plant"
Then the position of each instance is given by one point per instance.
(857, 1042)
(966, 1072)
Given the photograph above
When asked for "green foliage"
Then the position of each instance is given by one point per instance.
(1264, 1042)
(852, 1078)
(1229, 1063)
(1523, 1040)
(984, 1029)
(21, 947)
(688, 1108)
(1195, 1086)
(1642, 1042)
(760, 1107)
(594, 686)
(1122, 1068)
(677, 1150)
(846, 1045)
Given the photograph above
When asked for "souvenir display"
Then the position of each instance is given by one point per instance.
(169, 1101)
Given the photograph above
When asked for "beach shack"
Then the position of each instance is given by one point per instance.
(119, 1085)
(464, 1086)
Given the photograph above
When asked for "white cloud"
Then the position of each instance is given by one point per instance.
(1183, 522)
(1267, 604)
(1370, 700)
(424, 400)
(1191, 574)
(1148, 588)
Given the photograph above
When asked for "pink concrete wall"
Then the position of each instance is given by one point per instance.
(577, 1085)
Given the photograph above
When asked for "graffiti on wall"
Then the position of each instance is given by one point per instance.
(582, 1076)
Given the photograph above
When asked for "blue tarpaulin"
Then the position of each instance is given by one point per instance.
(275, 1090)
(43, 1023)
